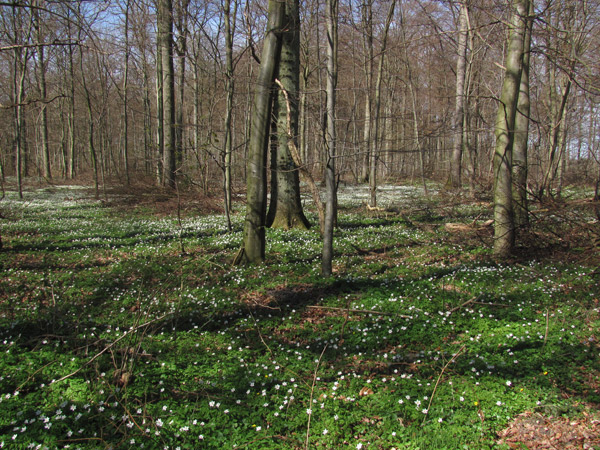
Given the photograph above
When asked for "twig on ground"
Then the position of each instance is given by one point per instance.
(473, 301)
(312, 391)
(460, 350)
(547, 325)
(112, 344)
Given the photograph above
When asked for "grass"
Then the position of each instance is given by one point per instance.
(121, 328)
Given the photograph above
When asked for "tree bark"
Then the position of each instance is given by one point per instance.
(504, 225)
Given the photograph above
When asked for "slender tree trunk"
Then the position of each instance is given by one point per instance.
(41, 79)
(253, 249)
(377, 108)
(71, 170)
(90, 136)
(125, 87)
(459, 108)
(148, 141)
(521, 136)
(160, 115)
(229, 89)
(330, 138)
(367, 20)
(183, 33)
(504, 225)
(21, 57)
(165, 39)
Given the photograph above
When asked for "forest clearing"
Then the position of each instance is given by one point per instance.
(123, 324)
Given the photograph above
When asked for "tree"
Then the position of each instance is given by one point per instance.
(521, 135)
(41, 68)
(504, 225)
(460, 101)
(330, 137)
(229, 90)
(285, 209)
(167, 88)
(377, 108)
(253, 247)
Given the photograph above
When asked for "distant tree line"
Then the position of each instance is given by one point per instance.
(165, 90)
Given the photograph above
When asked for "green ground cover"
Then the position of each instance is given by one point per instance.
(122, 328)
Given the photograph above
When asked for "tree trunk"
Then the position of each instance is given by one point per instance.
(377, 108)
(20, 73)
(253, 249)
(125, 87)
(367, 21)
(229, 89)
(330, 138)
(521, 136)
(165, 41)
(41, 79)
(459, 107)
(285, 209)
(183, 32)
(90, 136)
(160, 115)
(504, 225)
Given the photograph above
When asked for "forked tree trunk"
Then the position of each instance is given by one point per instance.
(253, 247)
(504, 225)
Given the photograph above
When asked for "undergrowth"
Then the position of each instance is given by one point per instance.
(123, 329)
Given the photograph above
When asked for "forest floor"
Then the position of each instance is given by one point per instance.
(123, 324)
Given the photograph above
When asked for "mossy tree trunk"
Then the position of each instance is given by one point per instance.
(285, 208)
